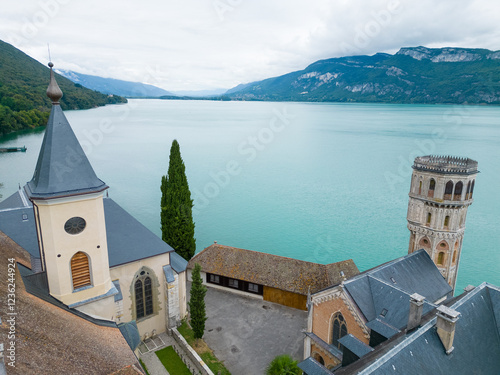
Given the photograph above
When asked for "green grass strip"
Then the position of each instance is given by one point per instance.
(210, 359)
(172, 362)
(144, 366)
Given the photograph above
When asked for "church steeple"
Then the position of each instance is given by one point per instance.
(62, 168)
(68, 203)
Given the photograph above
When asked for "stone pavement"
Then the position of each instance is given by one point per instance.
(247, 333)
(150, 359)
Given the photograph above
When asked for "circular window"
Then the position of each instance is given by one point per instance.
(75, 225)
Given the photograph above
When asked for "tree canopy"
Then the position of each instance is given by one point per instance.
(197, 303)
(23, 82)
(177, 225)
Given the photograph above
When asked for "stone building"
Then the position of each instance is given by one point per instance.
(372, 306)
(441, 192)
(271, 277)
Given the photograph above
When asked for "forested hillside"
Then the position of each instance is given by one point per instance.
(23, 82)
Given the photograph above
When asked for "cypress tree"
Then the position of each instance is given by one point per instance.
(197, 303)
(177, 224)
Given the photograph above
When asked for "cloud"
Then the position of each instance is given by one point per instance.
(200, 44)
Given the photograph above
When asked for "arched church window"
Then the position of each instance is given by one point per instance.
(458, 191)
(446, 222)
(429, 217)
(339, 329)
(420, 188)
(80, 270)
(472, 188)
(448, 191)
(454, 259)
(432, 187)
(143, 297)
(440, 259)
(467, 193)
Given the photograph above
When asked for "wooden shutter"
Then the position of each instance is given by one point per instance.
(80, 270)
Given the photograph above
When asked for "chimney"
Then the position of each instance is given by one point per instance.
(415, 315)
(445, 325)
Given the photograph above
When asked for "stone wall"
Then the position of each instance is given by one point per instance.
(193, 356)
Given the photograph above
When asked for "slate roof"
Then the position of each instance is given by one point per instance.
(382, 328)
(62, 168)
(356, 346)
(283, 273)
(52, 340)
(476, 343)
(128, 240)
(384, 292)
(178, 263)
(312, 367)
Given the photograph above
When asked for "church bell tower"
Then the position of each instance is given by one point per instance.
(441, 192)
(67, 199)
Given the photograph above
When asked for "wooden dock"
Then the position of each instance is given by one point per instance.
(13, 149)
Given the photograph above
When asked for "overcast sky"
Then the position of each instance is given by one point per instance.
(206, 44)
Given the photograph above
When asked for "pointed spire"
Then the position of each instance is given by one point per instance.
(53, 91)
(62, 168)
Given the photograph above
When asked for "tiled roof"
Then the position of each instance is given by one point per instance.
(283, 273)
(50, 340)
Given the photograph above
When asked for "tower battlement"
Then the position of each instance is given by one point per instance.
(446, 164)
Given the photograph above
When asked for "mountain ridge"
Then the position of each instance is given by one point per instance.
(420, 75)
(114, 86)
(23, 82)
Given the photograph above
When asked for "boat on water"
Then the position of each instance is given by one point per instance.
(13, 149)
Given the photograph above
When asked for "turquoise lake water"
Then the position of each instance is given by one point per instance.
(313, 181)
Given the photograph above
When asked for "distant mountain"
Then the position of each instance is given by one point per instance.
(200, 93)
(23, 82)
(412, 75)
(114, 86)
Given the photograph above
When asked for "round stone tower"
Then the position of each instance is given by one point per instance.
(440, 193)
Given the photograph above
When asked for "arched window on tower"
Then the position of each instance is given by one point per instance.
(458, 191)
(429, 218)
(448, 191)
(339, 329)
(432, 187)
(80, 270)
(420, 187)
(454, 260)
(472, 188)
(447, 222)
(424, 244)
(440, 259)
(467, 193)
